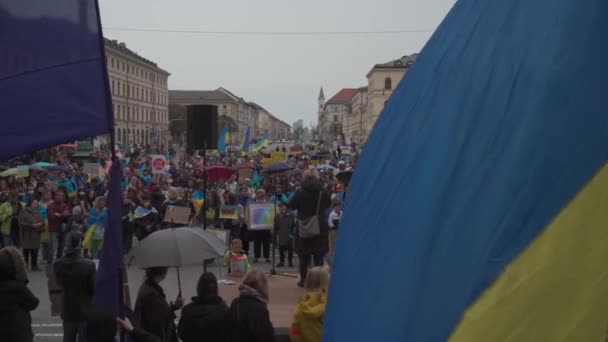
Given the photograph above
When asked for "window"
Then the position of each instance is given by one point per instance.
(112, 62)
(388, 83)
(335, 118)
(113, 87)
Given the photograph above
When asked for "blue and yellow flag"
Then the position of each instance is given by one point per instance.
(263, 142)
(487, 169)
(223, 139)
(245, 143)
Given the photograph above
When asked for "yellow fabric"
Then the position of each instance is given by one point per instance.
(45, 235)
(308, 318)
(557, 289)
(87, 242)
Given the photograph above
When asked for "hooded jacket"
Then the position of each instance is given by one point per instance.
(250, 317)
(16, 300)
(307, 322)
(205, 316)
(305, 202)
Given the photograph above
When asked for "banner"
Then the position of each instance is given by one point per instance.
(158, 163)
(261, 216)
(229, 212)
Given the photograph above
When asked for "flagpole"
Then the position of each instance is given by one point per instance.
(115, 161)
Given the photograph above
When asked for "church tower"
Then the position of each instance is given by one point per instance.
(321, 100)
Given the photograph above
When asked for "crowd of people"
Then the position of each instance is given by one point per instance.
(62, 212)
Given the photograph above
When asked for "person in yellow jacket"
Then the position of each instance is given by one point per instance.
(307, 322)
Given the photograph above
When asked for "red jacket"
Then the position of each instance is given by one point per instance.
(55, 221)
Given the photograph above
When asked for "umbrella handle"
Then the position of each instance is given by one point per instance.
(179, 282)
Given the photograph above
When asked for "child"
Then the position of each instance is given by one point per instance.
(284, 228)
(334, 222)
(235, 254)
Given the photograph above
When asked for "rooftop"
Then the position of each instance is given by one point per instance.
(403, 62)
(206, 95)
(122, 47)
(343, 96)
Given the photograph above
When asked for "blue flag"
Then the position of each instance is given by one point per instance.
(52, 74)
(111, 265)
(245, 146)
(221, 142)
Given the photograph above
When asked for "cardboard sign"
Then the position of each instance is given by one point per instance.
(177, 215)
(229, 212)
(245, 170)
(261, 216)
(90, 169)
(158, 163)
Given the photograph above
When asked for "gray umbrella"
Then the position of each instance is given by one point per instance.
(176, 247)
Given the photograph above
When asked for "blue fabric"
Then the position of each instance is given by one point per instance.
(52, 79)
(96, 217)
(497, 125)
(221, 143)
(109, 272)
(245, 147)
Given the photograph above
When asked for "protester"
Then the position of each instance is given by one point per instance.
(31, 225)
(310, 201)
(236, 252)
(75, 275)
(249, 311)
(261, 238)
(9, 213)
(58, 212)
(284, 230)
(205, 317)
(152, 312)
(16, 299)
(95, 227)
(307, 323)
(76, 222)
(145, 219)
(334, 222)
(45, 236)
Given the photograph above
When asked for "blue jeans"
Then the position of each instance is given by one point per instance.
(52, 247)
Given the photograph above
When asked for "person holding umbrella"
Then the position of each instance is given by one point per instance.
(152, 312)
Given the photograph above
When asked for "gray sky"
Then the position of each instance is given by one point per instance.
(281, 73)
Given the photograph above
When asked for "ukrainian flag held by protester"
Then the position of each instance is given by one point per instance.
(487, 171)
(245, 143)
(223, 139)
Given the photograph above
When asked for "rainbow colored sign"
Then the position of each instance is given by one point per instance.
(261, 216)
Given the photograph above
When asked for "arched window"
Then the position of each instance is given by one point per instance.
(388, 83)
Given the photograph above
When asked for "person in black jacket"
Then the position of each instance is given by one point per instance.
(306, 200)
(152, 312)
(101, 327)
(249, 316)
(206, 315)
(76, 276)
(16, 299)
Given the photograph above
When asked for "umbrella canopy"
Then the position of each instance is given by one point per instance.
(9, 172)
(42, 164)
(176, 247)
(277, 168)
(216, 172)
(344, 177)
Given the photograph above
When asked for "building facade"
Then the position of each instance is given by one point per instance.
(381, 81)
(139, 96)
(356, 128)
(333, 115)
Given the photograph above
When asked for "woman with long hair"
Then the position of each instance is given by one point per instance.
(152, 312)
(307, 321)
(249, 311)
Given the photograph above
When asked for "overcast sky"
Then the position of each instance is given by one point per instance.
(281, 73)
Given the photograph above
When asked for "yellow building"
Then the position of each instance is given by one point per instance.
(139, 96)
(381, 81)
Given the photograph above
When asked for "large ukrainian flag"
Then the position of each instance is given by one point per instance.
(479, 209)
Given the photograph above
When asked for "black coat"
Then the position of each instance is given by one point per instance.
(153, 314)
(204, 320)
(16, 302)
(76, 276)
(305, 202)
(250, 320)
